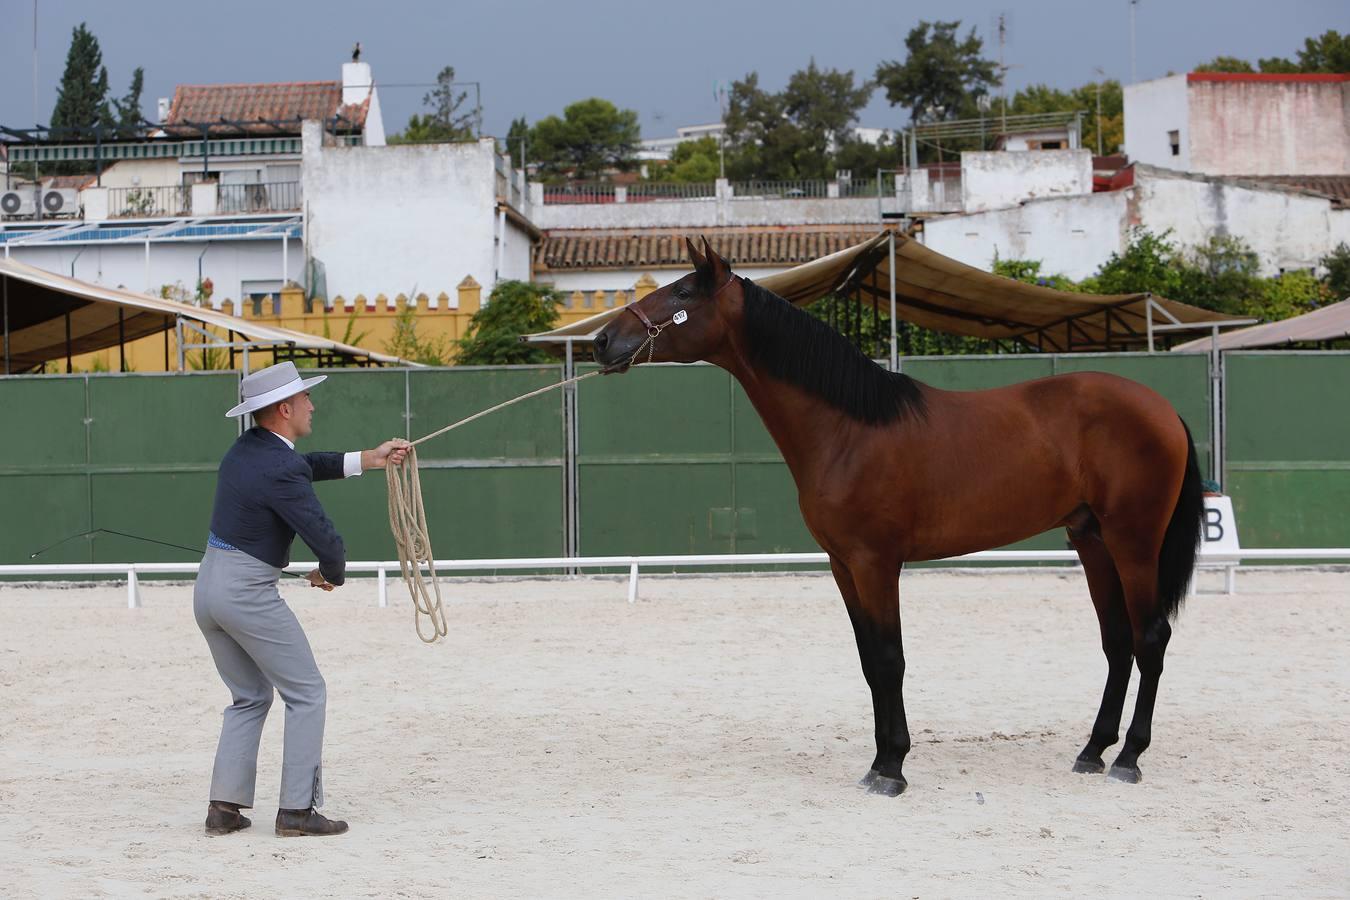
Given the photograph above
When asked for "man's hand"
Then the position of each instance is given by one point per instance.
(317, 580)
(394, 451)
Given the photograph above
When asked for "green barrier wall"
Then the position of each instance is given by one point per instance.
(1288, 447)
(670, 459)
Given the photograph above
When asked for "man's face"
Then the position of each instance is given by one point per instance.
(302, 414)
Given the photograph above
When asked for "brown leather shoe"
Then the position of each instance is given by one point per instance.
(306, 823)
(224, 818)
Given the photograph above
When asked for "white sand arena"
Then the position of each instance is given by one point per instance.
(703, 742)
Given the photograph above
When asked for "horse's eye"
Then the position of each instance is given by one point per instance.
(682, 294)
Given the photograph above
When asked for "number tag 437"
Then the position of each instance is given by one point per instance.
(680, 317)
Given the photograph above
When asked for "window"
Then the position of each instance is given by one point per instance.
(1174, 138)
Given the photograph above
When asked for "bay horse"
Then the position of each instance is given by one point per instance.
(890, 470)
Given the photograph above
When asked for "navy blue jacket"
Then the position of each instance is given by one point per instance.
(264, 497)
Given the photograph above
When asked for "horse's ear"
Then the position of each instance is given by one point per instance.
(699, 260)
(717, 264)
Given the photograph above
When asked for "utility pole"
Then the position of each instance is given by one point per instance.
(1101, 76)
(1134, 72)
(1003, 70)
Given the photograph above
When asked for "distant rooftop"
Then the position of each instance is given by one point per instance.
(248, 103)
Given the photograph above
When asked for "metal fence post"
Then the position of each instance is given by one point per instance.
(382, 589)
(133, 589)
(633, 581)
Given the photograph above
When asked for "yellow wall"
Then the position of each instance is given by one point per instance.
(364, 321)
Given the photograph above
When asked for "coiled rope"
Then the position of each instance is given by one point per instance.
(408, 522)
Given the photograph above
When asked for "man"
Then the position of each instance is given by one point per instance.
(264, 497)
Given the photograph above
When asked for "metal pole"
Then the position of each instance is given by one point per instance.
(571, 540)
(178, 333)
(895, 349)
(1134, 73)
(4, 286)
(69, 367)
(1216, 377)
(122, 338)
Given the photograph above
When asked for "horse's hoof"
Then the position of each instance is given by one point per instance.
(867, 780)
(1089, 765)
(887, 786)
(1126, 774)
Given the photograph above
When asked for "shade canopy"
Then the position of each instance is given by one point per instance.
(936, 292)
(48, 316)
(1330, 323)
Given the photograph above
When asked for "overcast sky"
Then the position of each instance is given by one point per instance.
(533, 57)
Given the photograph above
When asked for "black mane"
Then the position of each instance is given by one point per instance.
(792, 346)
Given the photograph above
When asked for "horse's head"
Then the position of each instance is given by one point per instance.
(685, 321)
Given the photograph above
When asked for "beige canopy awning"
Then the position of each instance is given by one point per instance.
(937, 292)
(48, 316)
(1330, 323)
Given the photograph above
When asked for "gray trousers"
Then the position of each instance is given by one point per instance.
(258, 645)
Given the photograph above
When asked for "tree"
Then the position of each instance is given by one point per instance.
(514, 308)
(1286, 295)
(592, 137)
(1225, 64)
(1040, 98)
(1146, 265)
(1326, 53)
(129, 107)
(1221, 274)
(443, 121)
(942, 77)
(518, 142)
(1029, 271)
(863, 158)
(792, 134)
(1337, 264)
(763, 141)
(693, 161)
(82, 100)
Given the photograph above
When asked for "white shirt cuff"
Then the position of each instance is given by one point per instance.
(351, 464)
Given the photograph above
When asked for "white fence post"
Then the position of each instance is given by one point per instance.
(133, 589)
(383, 589)
(632, 581)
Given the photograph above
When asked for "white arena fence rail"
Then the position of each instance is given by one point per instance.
(131, 572)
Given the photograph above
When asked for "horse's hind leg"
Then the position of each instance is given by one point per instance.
(1109, 600)
(1149, 632)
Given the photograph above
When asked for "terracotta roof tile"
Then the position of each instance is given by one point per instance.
(570, 249)
(1337, 187)
(290, 101)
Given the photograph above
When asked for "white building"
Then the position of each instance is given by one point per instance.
(1073, 235)
(413, 218)
(1219, 123)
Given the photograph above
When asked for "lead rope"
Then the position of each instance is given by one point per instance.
(408, 515)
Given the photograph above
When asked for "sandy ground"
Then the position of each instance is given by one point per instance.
(703, 742)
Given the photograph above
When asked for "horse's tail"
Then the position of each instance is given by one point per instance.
(1176, 562)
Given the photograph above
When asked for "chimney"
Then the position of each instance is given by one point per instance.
(356, 82)
(163, 110)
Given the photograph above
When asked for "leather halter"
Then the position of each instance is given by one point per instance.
(654, 330)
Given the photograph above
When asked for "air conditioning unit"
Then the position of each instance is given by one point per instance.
(60, 202)
(17, 203)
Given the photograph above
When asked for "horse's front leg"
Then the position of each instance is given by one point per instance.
(872, 595)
